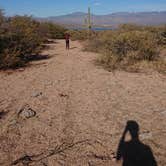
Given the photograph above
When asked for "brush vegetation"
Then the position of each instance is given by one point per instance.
(130, 47)
(21, 37)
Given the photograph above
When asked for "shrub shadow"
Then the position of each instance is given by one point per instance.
(37, 57)
(2, 114)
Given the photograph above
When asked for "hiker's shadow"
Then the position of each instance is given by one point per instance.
(134, 152)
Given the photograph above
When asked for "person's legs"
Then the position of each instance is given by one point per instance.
(67, 45)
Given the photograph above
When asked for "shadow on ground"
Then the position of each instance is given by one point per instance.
(72, 48)
(2, 114)
(134, 152)
(37, 57)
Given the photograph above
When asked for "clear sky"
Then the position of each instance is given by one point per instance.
(44, 8)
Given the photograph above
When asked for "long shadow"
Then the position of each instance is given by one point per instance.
(134, 152)
(37, 57)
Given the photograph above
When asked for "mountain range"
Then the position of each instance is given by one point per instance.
(114, 19)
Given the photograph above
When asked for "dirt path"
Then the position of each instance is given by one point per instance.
(81, 111)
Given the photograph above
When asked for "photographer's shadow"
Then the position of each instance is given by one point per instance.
(134, 152)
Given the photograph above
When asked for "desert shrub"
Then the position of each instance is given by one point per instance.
(94, 45)
(82, 35)
(128, 47)
(158, 31)
(19, 40)
(25, 35)
(78, 34)
(129, 27)
(21, 37)
(51, 30)
(161, 35)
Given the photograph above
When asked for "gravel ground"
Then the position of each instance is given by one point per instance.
(66, 111)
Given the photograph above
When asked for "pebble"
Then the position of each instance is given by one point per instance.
(36, 94)
(26, 112)
(163, 113)
(13, 122)
(48, 83)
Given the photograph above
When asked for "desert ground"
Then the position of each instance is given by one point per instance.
(68, 111)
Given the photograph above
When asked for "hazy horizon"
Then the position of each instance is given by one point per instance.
(47, 8)
(104, 14)
(83, 12)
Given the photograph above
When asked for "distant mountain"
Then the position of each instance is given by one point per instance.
(114, 19)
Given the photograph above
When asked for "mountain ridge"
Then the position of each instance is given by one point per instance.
(113, 19)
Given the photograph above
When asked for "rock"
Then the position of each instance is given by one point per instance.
(13, 122)
(48, 83)
(163, 112)
(21, 69)
(56, 82)
(26, 112)
(36, 94)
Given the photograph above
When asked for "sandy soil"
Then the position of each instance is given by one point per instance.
(81, 111)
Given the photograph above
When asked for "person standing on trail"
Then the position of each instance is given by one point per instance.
(67, 38)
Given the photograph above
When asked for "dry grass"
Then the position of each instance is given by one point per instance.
(131, 49)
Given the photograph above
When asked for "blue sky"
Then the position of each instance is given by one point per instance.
(44, 8)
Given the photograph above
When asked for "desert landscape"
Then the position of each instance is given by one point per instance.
(66, 110)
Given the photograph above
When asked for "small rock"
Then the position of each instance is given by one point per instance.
(36, 94)
(26, 112)
(21, 69)
(57, 81)
(163, 112)
(48, 83)
(13, 122)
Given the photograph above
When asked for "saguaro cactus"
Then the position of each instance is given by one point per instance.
(89, 19)
(88, 22)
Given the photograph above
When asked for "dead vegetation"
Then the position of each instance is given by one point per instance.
(130, 48)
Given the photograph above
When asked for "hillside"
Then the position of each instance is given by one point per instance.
(114, 19)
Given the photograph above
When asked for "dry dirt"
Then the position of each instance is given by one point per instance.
(81, 111)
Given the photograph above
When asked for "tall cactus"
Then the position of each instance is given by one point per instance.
(89, 19)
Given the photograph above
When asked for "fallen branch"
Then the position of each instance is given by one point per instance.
(26, 159)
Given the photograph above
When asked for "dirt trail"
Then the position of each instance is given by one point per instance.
(81, 110)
